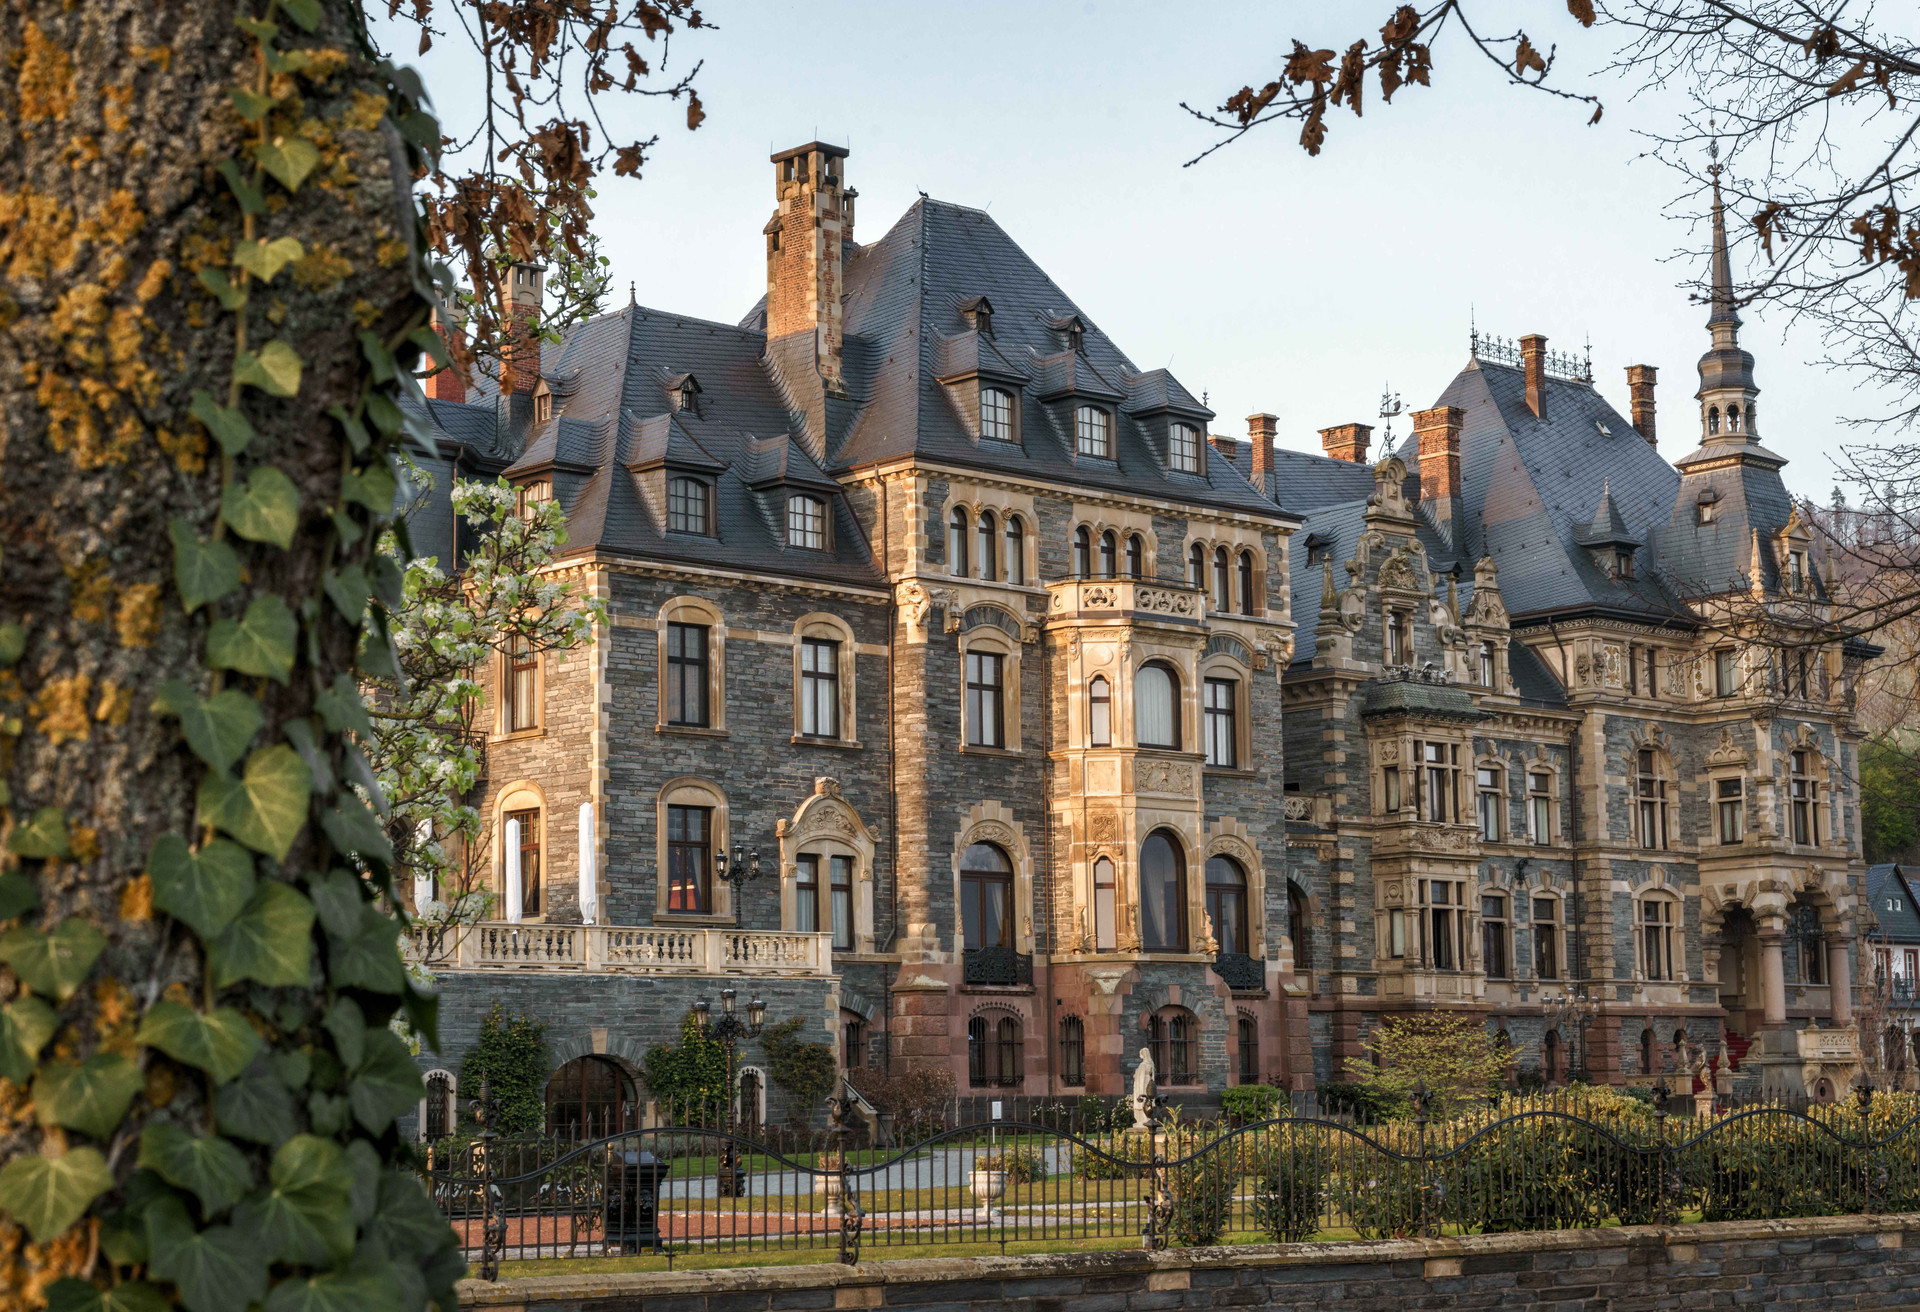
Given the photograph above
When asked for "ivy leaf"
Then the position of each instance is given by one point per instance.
(303, 1215)
(304, 12)
(354, 828)
(259, 642)
(266, 509)
(71, 1295)
(248, 195)
(406, 1219)
(217, 729)
(53, 964)
(251, 106)
(376, 1288)
(349, 1030)
(258, 28)
(372, 487)
(89, 1096)
(357, 435)
(389, 583)
(275, 370)
(289, 159)
(267, 806)
(220, 1044)
(227, 424)
(270, 942)
(203, 571)
(25, 1027)
(18, 895)
(379, 358)
(264, 259)
(211, 1168)
(48, 1194)
(44, 836)
(369, 958)
(347, 589)
(203, 889)
(256, 1106)
(229, 296)
(217, 1269)
(341, 709)
(13, 643)
(288, 61)
(387, 1083)
(388, 417)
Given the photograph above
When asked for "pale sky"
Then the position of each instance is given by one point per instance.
(1270, 280)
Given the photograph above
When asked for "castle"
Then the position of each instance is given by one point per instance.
(1057, 725)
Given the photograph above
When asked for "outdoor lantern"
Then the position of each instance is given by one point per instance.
(720, 861)
(756, 1012)
(726, 1001)
(702, 1013)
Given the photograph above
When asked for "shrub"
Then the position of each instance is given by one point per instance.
(1452, 1056)
(1121, 1155)
(917, 1098)
(1248, 1103)
(511, 1060)
(1292, 1168)
(804, 1070)
(1200, 1197)
(1022, 1165)
(691, 1080)
(1367, 1105)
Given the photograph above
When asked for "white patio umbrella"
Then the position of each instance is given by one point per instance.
(589, 901)
(513, 872)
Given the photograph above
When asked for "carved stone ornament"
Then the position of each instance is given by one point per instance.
(1208, 943)
(1104, 827)
(992, 832)
(1099, 597)
(1387, 751)
(1442, 840)
(1611, 658)
(1234, 848)
(1165, 777)
(1583, 667)
(1353, 611)
(1297, 808)
(1727, 752)
(1105, 979)
(1161, 602)
(1397, 573)
(949, 601)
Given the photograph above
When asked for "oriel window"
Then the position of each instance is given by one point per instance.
(1802, 796)
(1099, 712)
(1103, 905)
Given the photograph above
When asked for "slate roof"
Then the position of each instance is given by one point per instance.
(1302, 481)
(1891, 899)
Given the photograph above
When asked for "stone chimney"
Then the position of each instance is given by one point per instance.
(1533, 354)
(806, 242)
(521, 367)
(445, 384)
(1437, 431)
(1347, 441)
(1224, 446)
(1261, 430)
(1640, 378)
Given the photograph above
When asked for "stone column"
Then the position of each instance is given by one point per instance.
(1840, 981)
(1773, 979)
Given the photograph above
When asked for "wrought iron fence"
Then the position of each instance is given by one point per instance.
(1522, 1164)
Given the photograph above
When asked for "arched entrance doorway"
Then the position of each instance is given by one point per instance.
(591, 1097)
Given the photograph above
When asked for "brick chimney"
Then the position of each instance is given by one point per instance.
(1437, 431)
(1347, 441)
(521, 371)
(1224, 446)
(445, 384)
(1261, 430)
(1533, 354)
(1640, 378)
(806, 251)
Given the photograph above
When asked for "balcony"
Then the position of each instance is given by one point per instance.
(1243, 974)
(997, 966)
(627, 950)
(1103, 598)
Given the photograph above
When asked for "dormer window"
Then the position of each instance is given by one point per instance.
(1796, 570)
(1705, 512)
(996, 414)
(688, 509)
(806, 522)
(542, 405)
(1623, 564)
(978, 313)
(683, 394)
(531, 496)
(1183, 450)
(1093, 432)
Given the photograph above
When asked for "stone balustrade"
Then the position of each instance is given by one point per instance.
(628, 949)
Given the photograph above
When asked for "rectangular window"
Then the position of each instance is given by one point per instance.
(1546, 945)
(1800, 798)
(523, 686)
(1442, 925)
(1398, 652)
(1725, 674)
(1540, 808)
(1487, 665)
(853, 1034)
(1221, 747)
(1493, 936)
(840, 898)
(1439, 782)
(1650, 790)
(1103, 905)
(1249, 1036)
(529, 860)
(806, 523)
(996, 414)
(820, 687)
(1396, 933)
(1093, 434)
(806, 894)
(1184, 453)
(1729, 796)
(1073, 1052)
(1490, 801)
(686, 506)
(690, 859)
(1390, 789)
(1656, 938)
(1653, 667)
(687, 675)
(985, 710)
(531, 497)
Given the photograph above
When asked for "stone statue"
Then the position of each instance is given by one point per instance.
(1143, 1079)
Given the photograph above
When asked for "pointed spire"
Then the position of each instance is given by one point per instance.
(1723, 311)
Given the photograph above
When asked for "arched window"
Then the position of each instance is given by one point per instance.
(957, 543)
(439, 1115)
(1249, 1049)
(986, 898)
(1073, 1052)
(1156, 707)
(1247, 599)
(1174, 1035)
(1297, 927)
(1104, 890)
(1163, 895)
(1016, 550)
(1082, 553)
(1222, 580)
(1196, 566)
(1650, 801)
(989, 545)
(1713, 419)
(588, 1098)
(994, 1052)
(1136, 557)
(1099, 712)
(1227, 903)
(1733, 419)
(1109, 564)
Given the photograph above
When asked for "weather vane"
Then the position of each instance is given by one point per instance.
(1389, 407)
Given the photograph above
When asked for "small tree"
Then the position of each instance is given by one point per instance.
(511, 1060)
(692, 1076)
(804, 1070)
(1452, 1056)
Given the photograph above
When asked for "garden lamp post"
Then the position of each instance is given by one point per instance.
(728, 1030)
(730, 867)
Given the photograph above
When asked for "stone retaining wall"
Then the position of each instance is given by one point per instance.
(1822, 1264)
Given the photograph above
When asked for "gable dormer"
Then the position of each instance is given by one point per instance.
(1793, 551)
(977, 313)
(1607, 540)
(1173, 422)
(1072, 331)
(986, 389)
(683, 393)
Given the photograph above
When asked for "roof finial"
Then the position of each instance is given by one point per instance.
(633, 296)
(1723, 311)
(1473, 332)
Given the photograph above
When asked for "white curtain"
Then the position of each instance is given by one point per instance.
(1153, 708)
(513, 872)
(589, 904)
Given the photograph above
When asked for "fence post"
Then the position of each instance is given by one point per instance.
(493, 1219)
(851, 1216)
(1420, 1102)
(1661, 1092)
(1159, 1205)
(1863, 1087)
